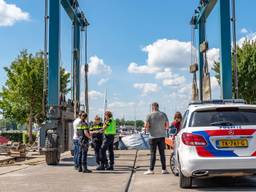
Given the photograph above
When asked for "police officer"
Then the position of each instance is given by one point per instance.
(108, 142)
(96, 131)
(83, 138)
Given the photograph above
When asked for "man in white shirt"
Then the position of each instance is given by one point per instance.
(75, 139)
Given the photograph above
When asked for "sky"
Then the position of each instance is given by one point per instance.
(139, 51)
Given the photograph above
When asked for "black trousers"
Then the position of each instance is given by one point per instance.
(108, 144)
(154, 143)
(97, 140)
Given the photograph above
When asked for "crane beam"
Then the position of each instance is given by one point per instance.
(203, 10)
(71, 8)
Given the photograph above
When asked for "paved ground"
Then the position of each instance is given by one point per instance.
(161, 183)
(40, 177)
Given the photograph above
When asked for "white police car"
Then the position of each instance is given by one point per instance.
(218, 138)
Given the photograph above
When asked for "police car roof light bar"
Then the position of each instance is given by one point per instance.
(218, 101)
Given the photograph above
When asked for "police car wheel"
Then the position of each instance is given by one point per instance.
(185, 182)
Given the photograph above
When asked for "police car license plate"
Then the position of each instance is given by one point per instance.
(232, 143)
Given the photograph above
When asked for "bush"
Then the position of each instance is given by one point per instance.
(17, 136)
(25, 138)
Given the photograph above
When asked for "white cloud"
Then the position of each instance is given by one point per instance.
(98, 67)
(183, 93)
(142, 69)
(248, 37)
(174, 81)
(147, 88)
(120, 104)
(214, 83)
(10, 14)
(169, 78)
(162, 54)
(185, 89)
(95, 95)
(244, 30)
(184, 69)
(168, 53)
(213, 55)
(102, 81)
(167, 73)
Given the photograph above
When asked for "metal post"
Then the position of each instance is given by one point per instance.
(105, 103)
(46, 18)
(235, 47)
(201, 39)
(225, 53)
(54, 48)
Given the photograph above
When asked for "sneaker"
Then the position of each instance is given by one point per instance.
(105, 166)
(149, 172)
(87, 171)
(110, 168)
(165, 172)
(80, 169)
(100, 168)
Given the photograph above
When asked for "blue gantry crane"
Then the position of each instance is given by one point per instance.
(199, 21)
(55, 135)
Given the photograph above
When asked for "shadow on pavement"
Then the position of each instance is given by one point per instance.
(225, 184)
(90, 161)
(110, 172)
(67, 159)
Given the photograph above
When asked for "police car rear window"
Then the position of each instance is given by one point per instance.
(223, 117)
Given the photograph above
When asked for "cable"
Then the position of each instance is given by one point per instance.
(81, 47)
(86, 73)
(72, 64)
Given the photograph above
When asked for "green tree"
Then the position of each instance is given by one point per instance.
(21, 97)
(8, 124)
(118, 122)
(246, 62)
(140, 123)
